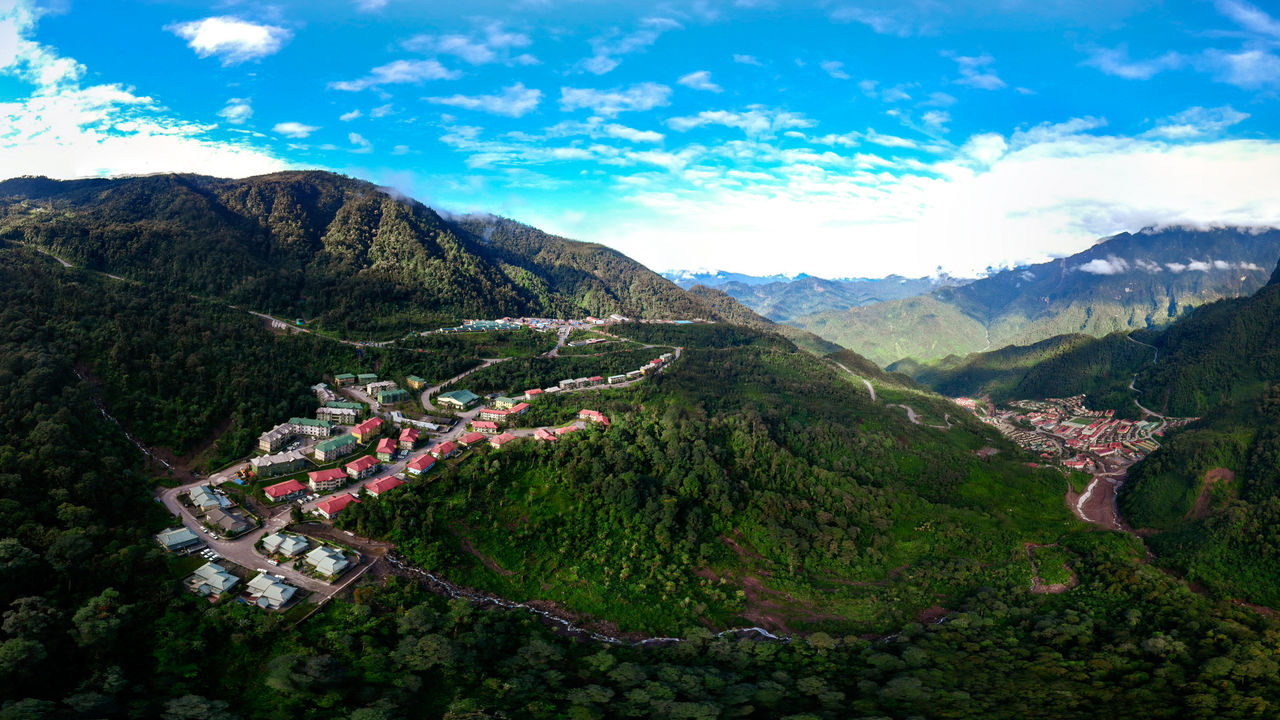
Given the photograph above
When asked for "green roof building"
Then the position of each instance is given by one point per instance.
(461, 399)
(415, 382)
(344, 405)
(392, 396)
(334, 448)
(344, 379)
(366, 378)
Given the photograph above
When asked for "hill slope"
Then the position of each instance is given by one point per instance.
(1125, 282)
(338, 251)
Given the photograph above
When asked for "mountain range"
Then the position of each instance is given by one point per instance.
(1125, 282)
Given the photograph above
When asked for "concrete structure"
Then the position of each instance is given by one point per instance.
(366, 378)
(504, 403)
(472, 438)
(269, 593)
(500, 440)
(327, 561)
(367, 430)
(203, 497)
(386, 449)
(326, 480)
(265, 466)
(344, 379)
(614, 379)
(594, 416)
(334, 448)
(362, 468)
(287, 490)
(373, 388)
(285, 544)
(488, 427)
(420, 464)
(392, 396)
(444, 450)
(228, 521)
(460, 399)
(339, 416)
(175, 539)
(329, 509)
(382, 485)
(212, 579)
(544, 434)
(276, 437)
(408, 438)
(415, 383)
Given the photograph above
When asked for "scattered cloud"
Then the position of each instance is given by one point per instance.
(493, 44)
(1115, 61)
(835, 69)
(747, 60)
(232, 39)
(936, 119)
(700, 80)
(237, 111)
(400, 150)
(608, 103)
(882, 23)
(1249, 69)
(294, 129)
(514, 101)
(370, 5)
(398, 72)
(756, 120)
(1198, 121)
(1250, 18)
(976, 72)
(607, 48)
(1110, 265)
(349, 116)
(381, 111)
(361, 145)
(626, 133)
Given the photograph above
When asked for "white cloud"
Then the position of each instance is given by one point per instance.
(349, 116)
(1147, 265)
(1111, 265)
(514, 101)
(756, 120)
(237, 111)
(1198, 121)
(294, 129)
(976, 72)
(936, 119)
(494, 44)
(232, 39)
(1175, 267)
(1249, 69)
(699, 80)
(607, 48)
(1250, 18)
(625, 133)
(746, 60)
(398, 72)
(1198, 265)
(883, 23)
(1115, 61)
(381, 111)
(835, 69)
(400, 150)
(370, 5)
(361, 144)
(608, 103)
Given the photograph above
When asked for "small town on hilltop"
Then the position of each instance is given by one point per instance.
(263, 527)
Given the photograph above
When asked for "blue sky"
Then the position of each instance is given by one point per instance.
(829, 137)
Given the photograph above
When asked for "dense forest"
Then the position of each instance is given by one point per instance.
(751, 439)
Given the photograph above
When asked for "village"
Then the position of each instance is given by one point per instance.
(261, 530)
(1064, 430)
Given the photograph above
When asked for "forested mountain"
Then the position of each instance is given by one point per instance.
(335, 251)
(1125, 282)
(785, 299)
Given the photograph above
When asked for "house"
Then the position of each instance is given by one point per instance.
(329, 509)
(595, 379)
(414, 382)
(635, 374)
(334, 448)
(367, 430)
(366, 378)
(444, 450)
(265, 466)
(310, 427)
(488, 427)
(228, 521)
(420, 464)
(347, 404)
(562, 431)
(287, 490)
(326, 480)
(519, 408)
(340, 416)
(344, 379)
(362, 468)
(594, 416)
(212, 579)
(284, 544)
(269, 593)
(494, 415)
(373, 388)
(203, 497)
(471, 438)
(531, 394)
(460, 399)
(275, 438)
(175, 539)
(614, 379)
(392, 396)
(504, 403)
(381, 485)
(327, 561)
(552, 389)
(499, 440)
(408, 438)
(567, 383)
(386, 449)
(544, 434)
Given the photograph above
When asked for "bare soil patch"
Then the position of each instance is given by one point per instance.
(1211, 478)
(487, 561)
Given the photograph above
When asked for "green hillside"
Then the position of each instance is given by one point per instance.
(1126, 282)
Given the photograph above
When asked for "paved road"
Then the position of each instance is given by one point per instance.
(563, 335)
(426, 394)
(865, 381)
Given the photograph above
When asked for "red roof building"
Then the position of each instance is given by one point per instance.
(377, 487)
(444, 450)
(594, 416)
(334, 505)
(365, 431)
(386, 448)
(544, 434)
(362, 468)
(566, 430)
(532, 393)
(408, 438)
(500, 440)
(326, 480)
(420, 464)
(595, 379)
(471, 438)
(285, 490)
(487, 427)
(519, 408)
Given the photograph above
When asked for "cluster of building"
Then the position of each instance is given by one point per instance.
(217, 512)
